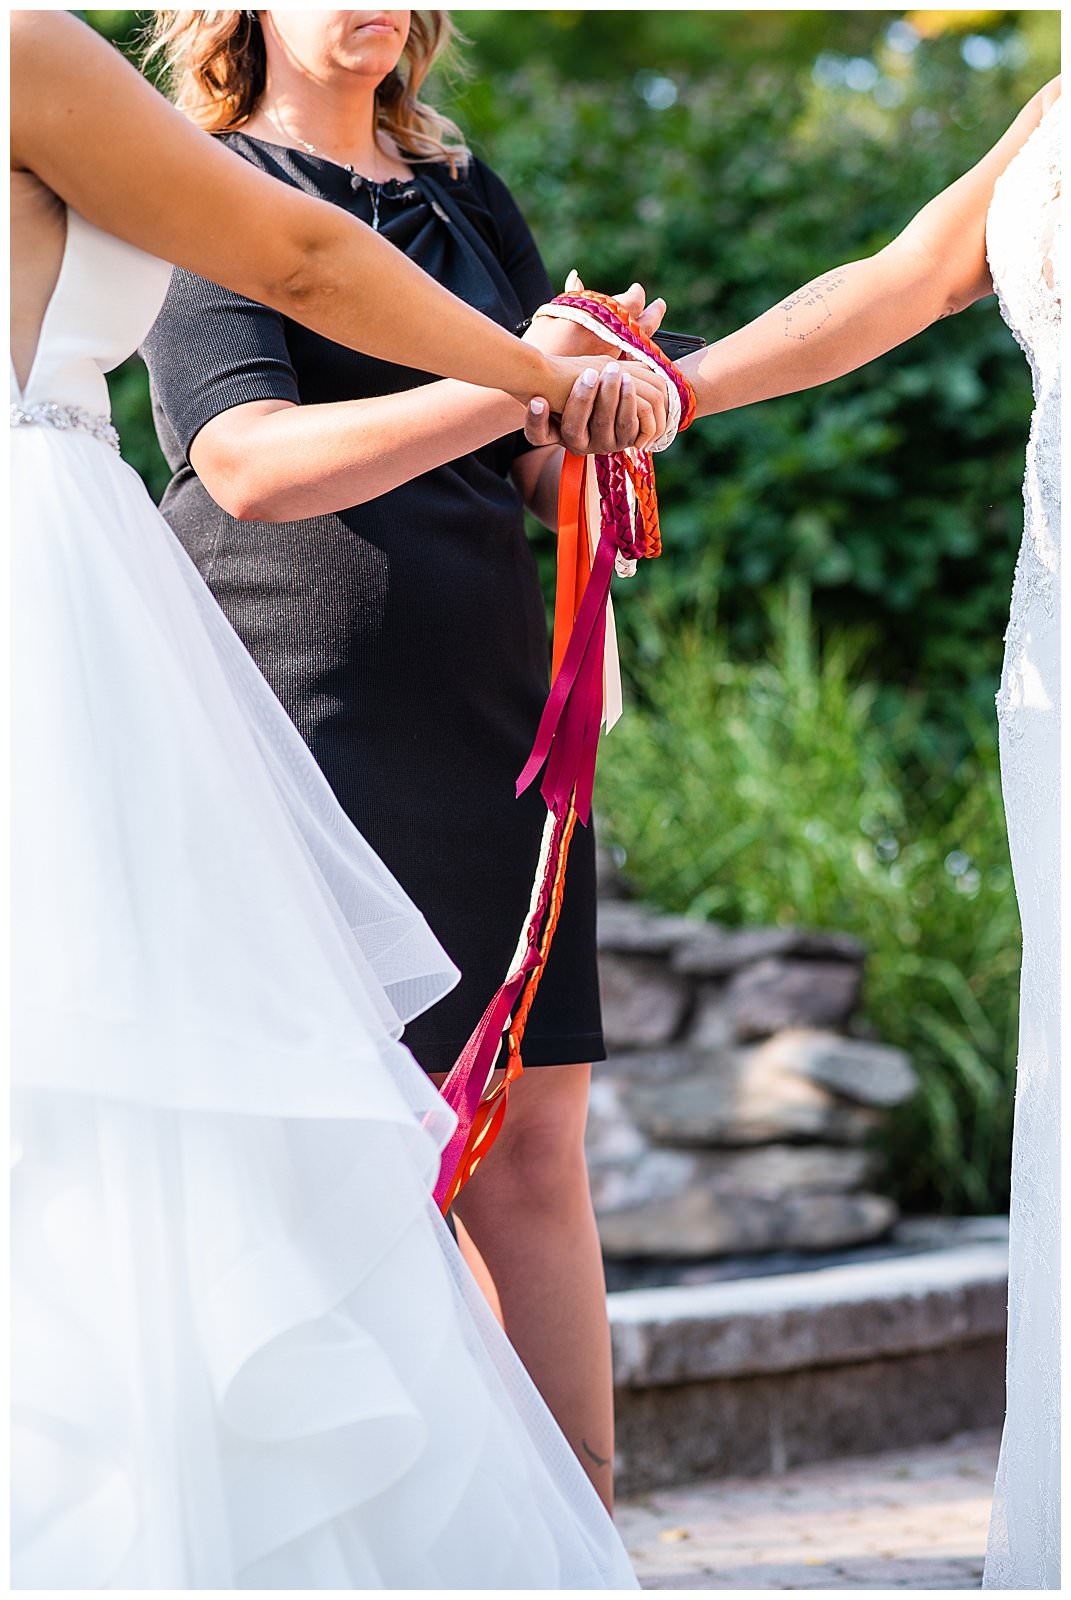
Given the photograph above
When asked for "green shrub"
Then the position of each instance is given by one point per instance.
(895, 493)
(777, 792)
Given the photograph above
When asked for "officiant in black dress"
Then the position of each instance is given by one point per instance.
(406, 636)
(362, 527)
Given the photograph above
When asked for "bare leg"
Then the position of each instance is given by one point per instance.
(527, 1217)
(478, 1267)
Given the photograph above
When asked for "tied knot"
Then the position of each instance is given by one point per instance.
(609, 321)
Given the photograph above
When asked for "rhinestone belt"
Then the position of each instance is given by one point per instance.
(67, 418)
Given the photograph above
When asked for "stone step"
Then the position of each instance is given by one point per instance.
(759, 1374)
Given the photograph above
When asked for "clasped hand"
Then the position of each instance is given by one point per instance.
(614, 403)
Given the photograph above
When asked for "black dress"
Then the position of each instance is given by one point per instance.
(405, 637)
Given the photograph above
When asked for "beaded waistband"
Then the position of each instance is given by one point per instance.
(46, 414)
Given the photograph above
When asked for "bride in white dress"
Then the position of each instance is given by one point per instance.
(245, 1351)
(996, 229)
(1025, 258)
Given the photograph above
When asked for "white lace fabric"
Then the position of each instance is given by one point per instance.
(1023, 238)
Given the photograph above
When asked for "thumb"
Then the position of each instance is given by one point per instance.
(573, 284)
(633, 299)
(538, 427)
(651, 319)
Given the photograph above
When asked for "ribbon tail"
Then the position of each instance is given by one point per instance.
(589, 740)
(574, 563)
(613, 700)
(591, 609)
(577, 736)
(464, 1087)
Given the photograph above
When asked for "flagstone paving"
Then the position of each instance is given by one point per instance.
(909, 1519)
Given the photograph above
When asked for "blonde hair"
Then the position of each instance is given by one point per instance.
(215, 67)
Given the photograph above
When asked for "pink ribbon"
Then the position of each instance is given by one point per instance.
(567, 715)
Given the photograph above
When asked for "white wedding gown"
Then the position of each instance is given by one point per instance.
(246, 1352)
(1024, 246)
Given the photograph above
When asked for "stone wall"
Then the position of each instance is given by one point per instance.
(737, 1110)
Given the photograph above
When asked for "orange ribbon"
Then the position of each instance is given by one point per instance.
(574, 554)
(638, 534)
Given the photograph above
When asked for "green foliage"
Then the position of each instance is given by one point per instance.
(775, 792)
(896, 492)
(589, 44)
(129, 385)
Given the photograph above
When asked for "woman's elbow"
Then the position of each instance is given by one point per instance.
(234, 476)
(302, 278)
(245, 503)
(248, 499)
(968, 292)
(234, 490)
(942, 281)
(242, 495)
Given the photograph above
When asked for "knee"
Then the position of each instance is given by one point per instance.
(537, 1168)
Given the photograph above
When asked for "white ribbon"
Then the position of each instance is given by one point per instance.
(612, 696)
(584, 319)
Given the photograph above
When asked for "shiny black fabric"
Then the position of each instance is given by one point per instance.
(405, 637)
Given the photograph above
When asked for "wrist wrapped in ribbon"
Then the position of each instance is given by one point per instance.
(607, 522)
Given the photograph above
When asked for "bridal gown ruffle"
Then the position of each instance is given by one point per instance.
(246, 1353)
(1024, 245)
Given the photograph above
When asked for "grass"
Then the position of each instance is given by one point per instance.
(785, 791)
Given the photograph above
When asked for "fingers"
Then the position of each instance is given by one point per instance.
(539, 428)
(626, 427)
(623, 408)
(650, 319)
(600, 416)
(647, 422)
(602, 430)
(633, 300)
(575, 424)
(651, 393)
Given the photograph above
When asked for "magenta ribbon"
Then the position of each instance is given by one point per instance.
(622, 337)
(573, 712)
(463, 1089)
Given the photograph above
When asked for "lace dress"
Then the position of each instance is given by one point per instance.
(1023, 241)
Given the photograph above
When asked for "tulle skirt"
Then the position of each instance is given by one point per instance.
(245, 1351)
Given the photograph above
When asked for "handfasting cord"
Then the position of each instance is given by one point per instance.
(607, 521)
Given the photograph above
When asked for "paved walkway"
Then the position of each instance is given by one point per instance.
(911, 1519)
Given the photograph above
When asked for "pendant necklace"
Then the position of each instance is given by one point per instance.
(373, 185)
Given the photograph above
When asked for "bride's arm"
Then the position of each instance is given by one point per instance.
(88, 125)
(846, 317)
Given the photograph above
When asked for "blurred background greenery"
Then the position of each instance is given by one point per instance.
(811, 733)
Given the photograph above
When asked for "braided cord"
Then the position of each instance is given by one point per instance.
(629, 530)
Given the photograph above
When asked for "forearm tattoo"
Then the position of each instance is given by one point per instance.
(600, 1461)
(808, 309)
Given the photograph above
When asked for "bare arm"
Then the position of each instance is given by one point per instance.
(537, 474)
(88, 125)
(845, 318)
(274, 461)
